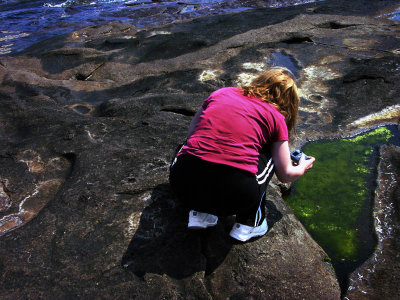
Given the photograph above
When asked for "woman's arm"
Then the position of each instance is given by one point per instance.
(195, 119)
(284, 168)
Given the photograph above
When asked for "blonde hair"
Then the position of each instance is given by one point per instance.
(276, 86)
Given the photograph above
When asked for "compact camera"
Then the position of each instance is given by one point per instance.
(296, 155)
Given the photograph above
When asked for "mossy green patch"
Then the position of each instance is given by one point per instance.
(329, 200)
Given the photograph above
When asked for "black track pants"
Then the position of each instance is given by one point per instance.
(220, 189)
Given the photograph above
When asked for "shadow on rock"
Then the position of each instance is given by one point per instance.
(273, 214)
(162, 244)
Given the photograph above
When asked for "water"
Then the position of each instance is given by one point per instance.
(25, 22)
(394, 16)
(282, 59)
(335, 200)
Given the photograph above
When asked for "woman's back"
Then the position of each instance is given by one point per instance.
(233, 128)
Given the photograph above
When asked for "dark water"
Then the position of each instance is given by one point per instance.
(24, 22)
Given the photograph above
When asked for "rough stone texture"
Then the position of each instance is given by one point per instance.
(377, 277)
(97, 114)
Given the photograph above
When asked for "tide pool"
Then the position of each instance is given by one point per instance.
(334, 201)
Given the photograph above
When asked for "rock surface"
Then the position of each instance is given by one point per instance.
(377, 277)
(88, 125)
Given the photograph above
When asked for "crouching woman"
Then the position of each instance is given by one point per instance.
(236, 141)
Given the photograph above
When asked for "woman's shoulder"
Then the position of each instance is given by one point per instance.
(273, 110)
(228, 90)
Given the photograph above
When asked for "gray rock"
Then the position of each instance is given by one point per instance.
(377, 277)
(111, 103)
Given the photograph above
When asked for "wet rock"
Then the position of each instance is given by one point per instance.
(375, 277)
(113, 102)
(28, 181)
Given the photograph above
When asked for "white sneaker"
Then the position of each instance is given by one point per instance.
(199, 220)
(244, 233)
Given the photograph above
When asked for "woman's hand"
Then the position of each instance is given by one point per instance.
(285, 170)
(306, 164)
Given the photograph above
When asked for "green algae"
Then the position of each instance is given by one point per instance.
(332, 198)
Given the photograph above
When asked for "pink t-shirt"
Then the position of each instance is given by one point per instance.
(233, 128)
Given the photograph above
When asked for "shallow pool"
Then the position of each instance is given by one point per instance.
(335, 200)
